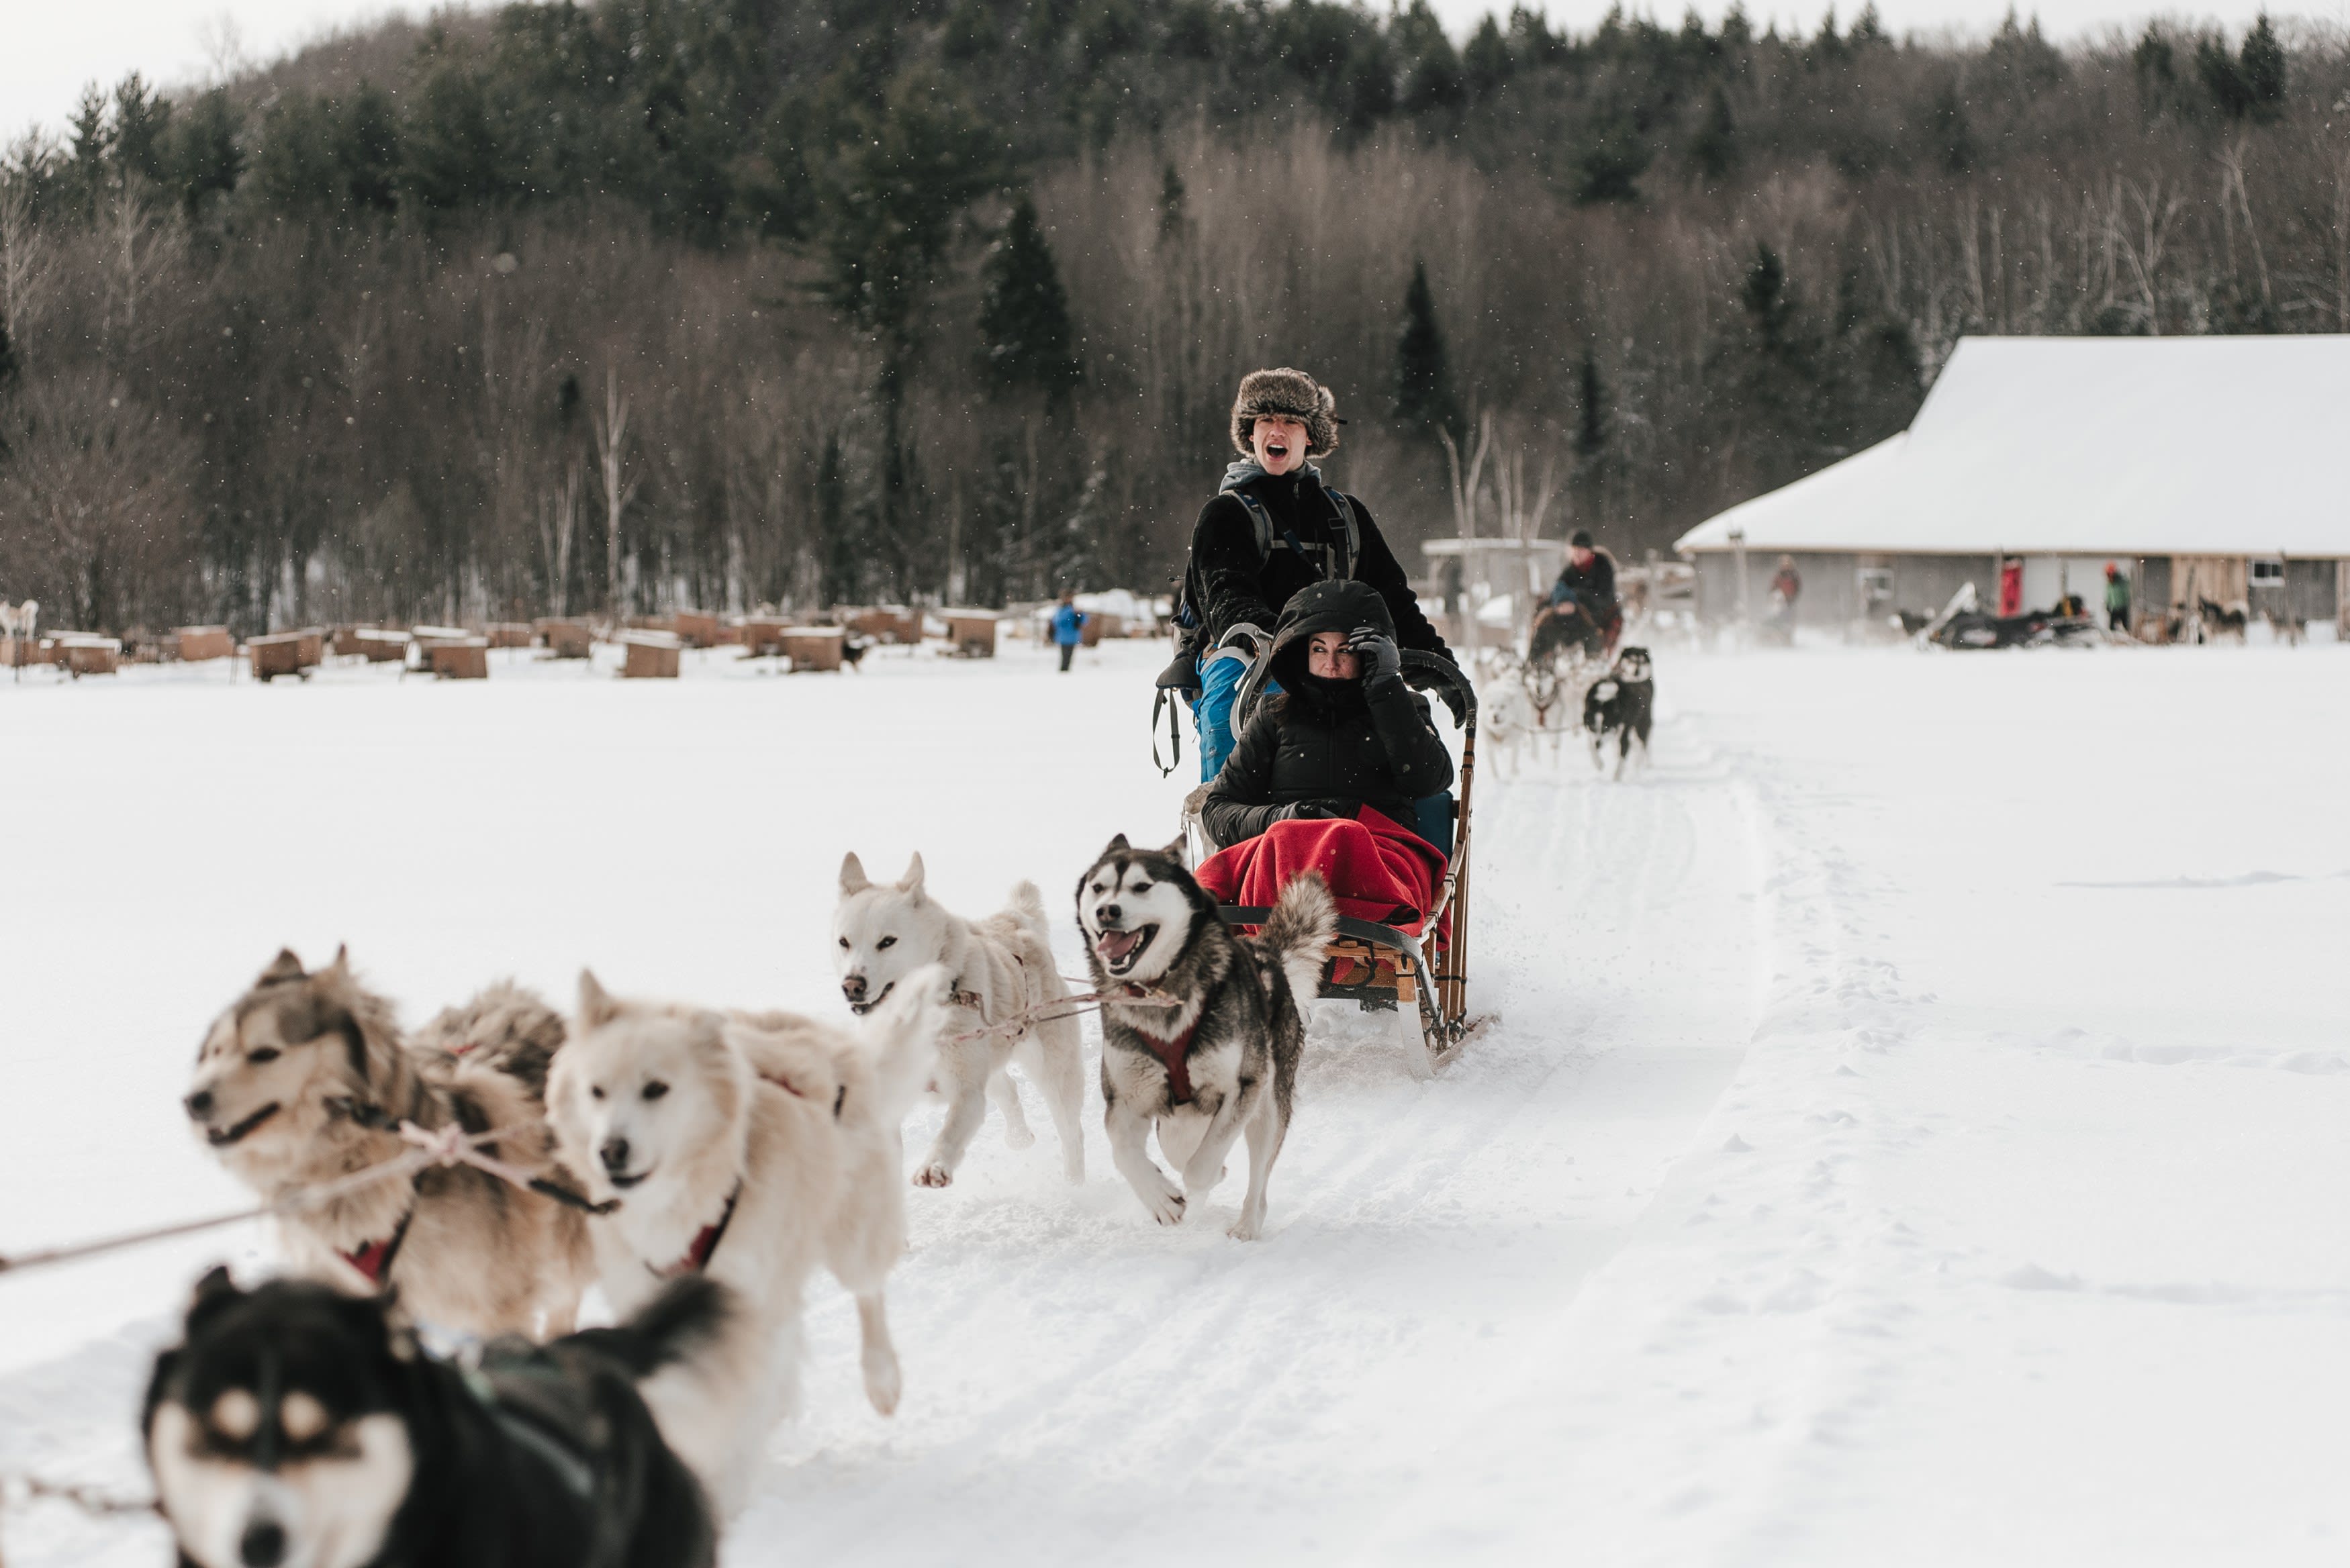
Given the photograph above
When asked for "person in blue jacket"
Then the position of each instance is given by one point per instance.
(1069, 627)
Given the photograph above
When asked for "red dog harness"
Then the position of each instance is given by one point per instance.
(1176, 1057)
(374, 1259)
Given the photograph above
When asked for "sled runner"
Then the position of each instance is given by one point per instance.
(1418, 969)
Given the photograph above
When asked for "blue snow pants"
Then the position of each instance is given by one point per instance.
(1220, 687)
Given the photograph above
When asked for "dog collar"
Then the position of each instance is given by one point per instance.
(705, 1242)
(374, 1259)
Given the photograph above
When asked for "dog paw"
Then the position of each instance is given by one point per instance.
(883, 1387)
(1019, 1137)
(1072, 1169)
(934, 1176)
(1242, 1229)
(1166, 1205)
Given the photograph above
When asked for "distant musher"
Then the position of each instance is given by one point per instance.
(1274, 526)
(1582, 607)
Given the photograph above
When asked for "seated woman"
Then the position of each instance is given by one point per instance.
(1327, 775)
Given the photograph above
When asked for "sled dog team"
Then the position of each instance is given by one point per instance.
(698, 1164)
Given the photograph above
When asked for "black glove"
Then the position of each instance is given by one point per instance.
(1378, 655)
(1315, 810)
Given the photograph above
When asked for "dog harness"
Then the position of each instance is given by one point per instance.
(705, 1243)
(1175, 1055)
(374, 1259)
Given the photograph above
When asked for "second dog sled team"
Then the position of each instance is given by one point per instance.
(701, 1164)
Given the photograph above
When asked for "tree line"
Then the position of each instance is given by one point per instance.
(638, 303)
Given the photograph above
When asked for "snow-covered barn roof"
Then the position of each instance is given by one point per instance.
(2148, 446)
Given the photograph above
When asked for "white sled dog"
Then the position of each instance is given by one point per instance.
(751, 1148)
(304, 1080)
(1003, 969)
(1224, 1062)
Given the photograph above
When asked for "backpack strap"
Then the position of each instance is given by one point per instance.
(1350, 530)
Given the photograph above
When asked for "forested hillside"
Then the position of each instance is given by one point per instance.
(808, 301)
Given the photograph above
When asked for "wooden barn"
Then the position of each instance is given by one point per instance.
(2197, 466)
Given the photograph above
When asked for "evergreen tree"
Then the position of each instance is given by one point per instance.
(142, 115)
(91, 148)
(201, 157)
(1367, 89)
(1950, 134)
(366, 147)
(1592, 466)
(1027, 342)
(840, 553)
(1434, 81)
(1715, 149)
(1174, 215)
(2223, 77)
(1613, 159)
(1485, 64)
(2261, 66)
(1590, 411)
(1424, 402)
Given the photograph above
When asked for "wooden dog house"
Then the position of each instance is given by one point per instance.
(463, 659)
(694, 629)
(285, 653)
(649, 655)
(378, 645)
(508, 634)
(195, 644)
(85, 655)
(565, 638)
(814, 646)
(972, 631)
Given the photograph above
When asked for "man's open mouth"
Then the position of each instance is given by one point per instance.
(221, 1138)
(870, 1002)
(1276, 449)
(1120, 949)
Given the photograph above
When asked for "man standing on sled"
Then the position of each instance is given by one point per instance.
(1273, 529)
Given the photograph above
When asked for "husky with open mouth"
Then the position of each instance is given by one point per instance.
(304, 1080)
(1223, 1064)
(1003, 975)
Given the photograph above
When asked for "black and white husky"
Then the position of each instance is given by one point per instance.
(1224, 1061)
(1621, 706)
(299, 1428)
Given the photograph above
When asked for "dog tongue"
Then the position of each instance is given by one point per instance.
(1115, 945)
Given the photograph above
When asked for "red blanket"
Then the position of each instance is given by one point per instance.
(1377, 869)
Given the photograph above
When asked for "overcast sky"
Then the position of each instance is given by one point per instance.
(53, 46)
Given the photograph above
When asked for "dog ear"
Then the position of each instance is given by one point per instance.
(596, 1005)
(216, 1291)
(911, 882)
(1117, 845)
(1177, 851)
(284, 966)
(853, 879)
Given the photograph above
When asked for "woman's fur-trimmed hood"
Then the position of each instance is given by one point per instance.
(1290, 393)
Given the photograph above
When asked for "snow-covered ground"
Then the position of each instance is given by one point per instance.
(1912, 1130)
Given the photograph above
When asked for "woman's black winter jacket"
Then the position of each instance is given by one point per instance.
(1349, 744)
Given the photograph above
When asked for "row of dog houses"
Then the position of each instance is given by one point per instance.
(2197, 466)
(651, 645)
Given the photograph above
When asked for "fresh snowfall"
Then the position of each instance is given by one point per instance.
(1910, 1127)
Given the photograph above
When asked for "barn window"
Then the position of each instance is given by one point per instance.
(2267, 574)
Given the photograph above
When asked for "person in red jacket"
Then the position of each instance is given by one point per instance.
(2010, 586)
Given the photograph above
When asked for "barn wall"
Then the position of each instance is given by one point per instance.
(1831, 597)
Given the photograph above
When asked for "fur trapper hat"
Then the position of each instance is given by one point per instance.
(1293, 394)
